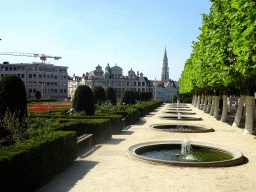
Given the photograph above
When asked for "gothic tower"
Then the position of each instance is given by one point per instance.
(165, 69)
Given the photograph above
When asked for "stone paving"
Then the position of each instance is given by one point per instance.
(108, 166)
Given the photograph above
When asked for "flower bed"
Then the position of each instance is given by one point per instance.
(49, 106)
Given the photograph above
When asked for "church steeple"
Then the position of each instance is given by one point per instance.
(165, 69)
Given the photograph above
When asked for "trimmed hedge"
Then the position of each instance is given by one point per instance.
(116, 120)
(29, 165)
(130, 114)
(100, 128)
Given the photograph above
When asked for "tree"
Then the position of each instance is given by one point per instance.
(136, 96)
(38, 95)
(12, 98)
(127, 97)
(99, 94)
(83, 100)
(111, 95)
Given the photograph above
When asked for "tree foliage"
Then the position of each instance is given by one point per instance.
(83, 100)
(111, 95)
(99, 94)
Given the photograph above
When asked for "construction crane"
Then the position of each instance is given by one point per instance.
(43, 57)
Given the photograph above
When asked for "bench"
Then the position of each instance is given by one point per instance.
(84, 137)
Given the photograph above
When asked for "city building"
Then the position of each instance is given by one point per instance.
(50, 80)
(165, 69)
(111, 77)
(164, 90)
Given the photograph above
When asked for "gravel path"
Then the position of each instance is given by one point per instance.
(108, 167)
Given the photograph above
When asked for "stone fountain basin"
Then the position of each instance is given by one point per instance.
(181, 112)
(183, 118)
(178, 109)
(136, 150)
(174, 128)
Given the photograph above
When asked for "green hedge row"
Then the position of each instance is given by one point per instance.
(34, 162)
(116, 120)
(100, 128)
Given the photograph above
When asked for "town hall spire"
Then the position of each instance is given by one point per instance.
(165, 69)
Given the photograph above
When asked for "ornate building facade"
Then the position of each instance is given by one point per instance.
(111, 77)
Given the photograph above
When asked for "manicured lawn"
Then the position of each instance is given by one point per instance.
(48, 106)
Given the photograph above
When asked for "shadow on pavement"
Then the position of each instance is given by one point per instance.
(66, 180)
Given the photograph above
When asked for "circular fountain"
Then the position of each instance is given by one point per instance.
(182, 128)
(181, 112)
(178, 109)
(180, 118)
(187, 153)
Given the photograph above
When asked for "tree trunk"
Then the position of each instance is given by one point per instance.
(213, 104)
(205, 102)
(248, 129)
(216, 106)
(198, 102)
(230, 103)
(225, 108)
(195, 100)
(209, 104)
(239, 111)
(202, 102)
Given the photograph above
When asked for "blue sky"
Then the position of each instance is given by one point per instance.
(86, 33)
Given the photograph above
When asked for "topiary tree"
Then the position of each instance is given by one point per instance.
(12, 97)
(136, 96)
(38, 95)
(83, 100)
(111, 95)
(127, 97)
(99, 94)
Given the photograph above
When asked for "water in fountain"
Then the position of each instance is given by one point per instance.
(179, 115)
(186, 149)
(178, 102)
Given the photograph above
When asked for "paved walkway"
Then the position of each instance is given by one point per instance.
(108, 167)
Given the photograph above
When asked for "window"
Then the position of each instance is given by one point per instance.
(34, 76)
(61, 90)
(51, 83)
(134, 83)
(60, 70)
(2, 69)
(65, 90)
(138, 83)
(48, 76)
(14, 68)
(55, 83)
(40, 76)
(18, 75)
(127, 83)
(29, 75)
(55, 90)
(34, 90)
(22, 76)
(48, 83)
(30, 82)
(143, 83)
(6, 68)
(30, 90)
(55, 76)
(34, 83)
(10, 68)
(23, 68)
(41, 69)
(131, 83)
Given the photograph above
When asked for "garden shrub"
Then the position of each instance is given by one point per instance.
(12, 97)
(99, 94)
(34, 162)
(83, 100)
(38, 94)
(111, 95)
(100, 128)
(127, 97)
(174, 99)
(136, 96)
